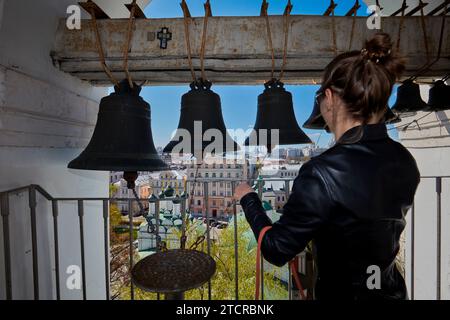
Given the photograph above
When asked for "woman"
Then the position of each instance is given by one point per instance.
(352, 199)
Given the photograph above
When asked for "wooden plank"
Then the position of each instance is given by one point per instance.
(236, 48)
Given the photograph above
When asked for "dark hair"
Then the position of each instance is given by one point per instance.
(364, 79)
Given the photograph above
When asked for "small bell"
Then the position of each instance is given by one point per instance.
(409, 100)
(439, 97)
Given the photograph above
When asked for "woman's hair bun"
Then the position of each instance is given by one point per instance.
(379, 50)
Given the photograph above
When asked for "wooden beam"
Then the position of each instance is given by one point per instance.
(236, 48)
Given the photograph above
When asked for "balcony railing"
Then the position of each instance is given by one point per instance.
(34, 190)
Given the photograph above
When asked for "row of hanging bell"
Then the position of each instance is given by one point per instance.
(407, 104)
(122, 138)
(276, 112)
(409, 101)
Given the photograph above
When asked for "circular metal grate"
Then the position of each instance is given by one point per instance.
(173, 271)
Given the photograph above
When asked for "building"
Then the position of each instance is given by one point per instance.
(276, 198)
(220, 195)
(172, 178)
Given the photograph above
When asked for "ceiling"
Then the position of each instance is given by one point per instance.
(117, 9)
(391, 6)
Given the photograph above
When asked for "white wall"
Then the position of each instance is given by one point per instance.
(430, 146)
(46, 118)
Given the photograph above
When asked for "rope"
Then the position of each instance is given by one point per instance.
(333, 25)
(205, 27)
(441, 36)
(187, 15)
(400, 27)
(353, 27)
(424, 30)
(292, 266)
(269, 35)
(286, 16)
(100, 49)
(127, 44)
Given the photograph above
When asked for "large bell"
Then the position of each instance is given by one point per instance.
(409, 100)
(122, 138)
(276, 112)
(201, 122)
(439, 96)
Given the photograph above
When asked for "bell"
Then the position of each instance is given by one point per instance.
(439, 97)
(201, 113)
(390, 117)
(315, 120)
(276, 112)
(122, 138)
(409, 100)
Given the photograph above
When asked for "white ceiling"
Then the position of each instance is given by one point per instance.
(390, 6)
(117, 9)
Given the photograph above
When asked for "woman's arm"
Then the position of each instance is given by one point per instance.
(304, 213)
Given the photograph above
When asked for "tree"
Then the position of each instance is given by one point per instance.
(223, 282)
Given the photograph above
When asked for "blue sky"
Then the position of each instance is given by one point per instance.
(238, 102)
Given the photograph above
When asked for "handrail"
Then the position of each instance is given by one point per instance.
(34, 189)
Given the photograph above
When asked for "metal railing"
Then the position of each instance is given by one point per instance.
(438, 190)
(33, 190)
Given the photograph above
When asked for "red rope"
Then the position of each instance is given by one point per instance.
(292, 265)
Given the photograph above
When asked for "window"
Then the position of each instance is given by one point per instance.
(214, 202)
(199, 202)
(206, 175)
(213, 174)
(192, 174)
(221, 175)
(214, 193)
(229, 175)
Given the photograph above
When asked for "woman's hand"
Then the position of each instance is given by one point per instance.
(241, 190)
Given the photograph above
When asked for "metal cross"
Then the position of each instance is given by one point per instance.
(164, 36)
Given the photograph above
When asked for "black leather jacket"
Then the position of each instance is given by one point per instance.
(351, 201)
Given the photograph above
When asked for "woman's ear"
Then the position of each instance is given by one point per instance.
(329, 99)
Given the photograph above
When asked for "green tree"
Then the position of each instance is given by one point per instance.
(223, 252)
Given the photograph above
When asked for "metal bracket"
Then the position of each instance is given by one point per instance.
(330, 8)
(353, 9)
(92, 8)
(138, 13)
(401, 9)
(419, 7)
